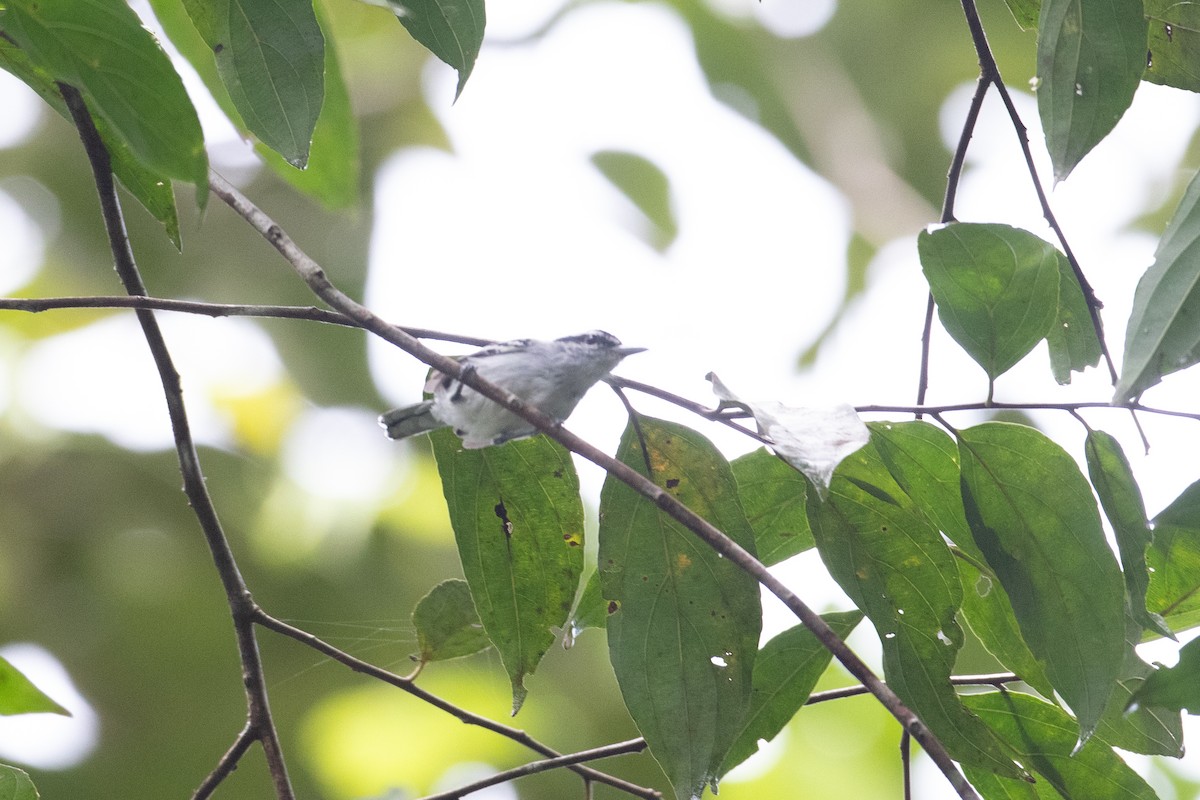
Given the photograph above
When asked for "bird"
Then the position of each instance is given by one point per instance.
(550, 375)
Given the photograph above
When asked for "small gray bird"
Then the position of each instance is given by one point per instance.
(553, 376)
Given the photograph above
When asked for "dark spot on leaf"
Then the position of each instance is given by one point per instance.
(558, 473)
(645, 578)
(613, 606)
(672, 483)
(505, 524)
(218, 47)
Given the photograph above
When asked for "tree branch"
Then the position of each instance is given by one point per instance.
(310, 313)
(534, 767)
(238, 596)
(407, 684)
(312, 274)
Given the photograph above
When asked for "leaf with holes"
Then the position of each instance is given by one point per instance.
(785, 672)
(896, 567)
(518, 523)
(1173, 47)
(684, 633)
(1035, 519)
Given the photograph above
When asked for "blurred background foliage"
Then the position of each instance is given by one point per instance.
(104, 565)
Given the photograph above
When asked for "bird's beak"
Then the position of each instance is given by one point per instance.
(628, 351)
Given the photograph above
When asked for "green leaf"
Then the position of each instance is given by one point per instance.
(1162, 336)
(1034, 517)
(15, 784)
(1025, 12)
(1122, 503)
(1091, 56)
(1074, 345)
(332, 172)
(646, 186)
(1174, 562)
(989, 613)
(684, 634)
(923, 460)
(773, 496)
(996, 289)
(447, 624)
(1150, 730)
(518, 522)
(785, 672)
(101, 48)
(450, 29)
(1173, 44)
(152, 189)
(896, 567)
(1176, 687)
(270, 55)
(18, 695)
(591, 611)
(1044, 737)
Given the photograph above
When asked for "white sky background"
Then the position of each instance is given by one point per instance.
(516, 234)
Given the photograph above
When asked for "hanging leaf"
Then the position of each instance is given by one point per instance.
(271, 57)
(895, 566)
(450, 29)
(773, 497)
(785, 672)
(684, 630)
(923, 460)
(133, 87)
(1091, 56)
(1162, 336)
(447, 624)
(1122, 503)
(518, 522)
(152, 189)
(996, 289)
(1044, 738)
(1035, 520)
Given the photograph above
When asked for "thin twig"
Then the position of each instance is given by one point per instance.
(228, 762)
(309, 313)
(990, 72)
(312, 274)
(1032, 406)
(406, 684)
(238, 596)
(534, 767)
(998, 679)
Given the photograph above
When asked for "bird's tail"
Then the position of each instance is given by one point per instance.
(410, 420)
